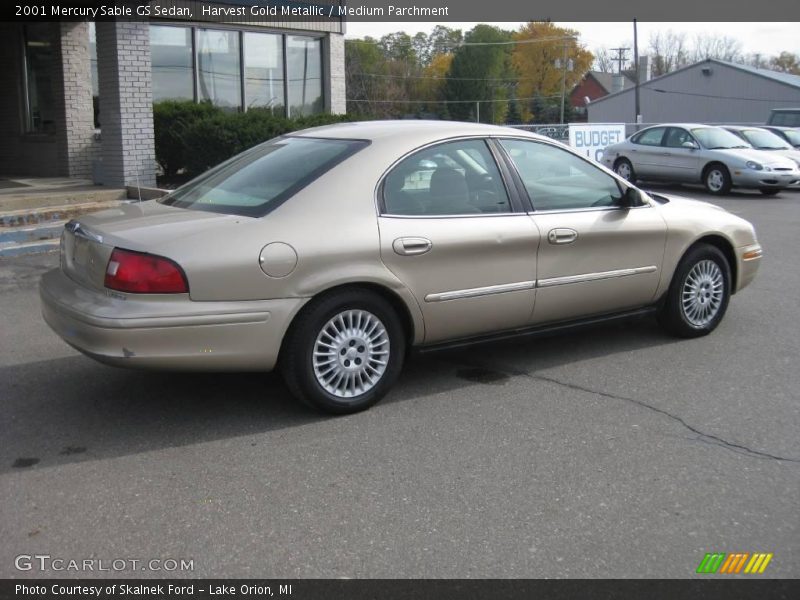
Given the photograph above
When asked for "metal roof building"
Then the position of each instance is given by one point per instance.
(710, 91)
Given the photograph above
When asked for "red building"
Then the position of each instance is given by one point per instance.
(594, 85)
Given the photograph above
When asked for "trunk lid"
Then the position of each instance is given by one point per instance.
(87, 242)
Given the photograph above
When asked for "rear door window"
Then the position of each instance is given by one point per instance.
(260, 179)
(650, 137)
(453, 178)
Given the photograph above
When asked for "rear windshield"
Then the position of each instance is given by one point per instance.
(785, 118)
(260, 179)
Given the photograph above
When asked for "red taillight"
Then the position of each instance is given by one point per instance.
(140, 273)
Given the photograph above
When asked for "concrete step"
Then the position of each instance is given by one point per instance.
(35, 247)
(36, 233)
(49, 214)
(38, 198)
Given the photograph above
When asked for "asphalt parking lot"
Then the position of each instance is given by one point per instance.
(611, 452)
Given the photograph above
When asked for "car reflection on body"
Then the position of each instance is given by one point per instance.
(713, 156)
(330, 252)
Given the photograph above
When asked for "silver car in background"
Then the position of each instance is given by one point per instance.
(693, 153)
(761, 139)
(787, 134)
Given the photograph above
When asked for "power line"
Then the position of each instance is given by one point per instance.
(451, 101)
(462, 44)
(445, 77)
(743, 98)
(621, 58)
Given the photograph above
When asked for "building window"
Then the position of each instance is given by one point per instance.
(40, 64)
(304, 72)
(238, 70)
(95, 76)
(171, 56)
(263, 72)
(219, 73)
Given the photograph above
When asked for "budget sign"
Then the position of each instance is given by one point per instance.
(590, 139)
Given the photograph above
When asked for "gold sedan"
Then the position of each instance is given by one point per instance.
(331, 252)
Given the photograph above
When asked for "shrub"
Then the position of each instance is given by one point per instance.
(171, 119)
(217, 137)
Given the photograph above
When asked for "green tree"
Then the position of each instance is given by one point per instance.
(475, 74)
(513, 116)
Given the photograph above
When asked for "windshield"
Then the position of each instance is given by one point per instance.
(792, 136)
(715, 138)
(258, 180)
(764, 140)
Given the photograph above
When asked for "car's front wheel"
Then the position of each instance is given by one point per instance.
(699, 293)
(717, 180)
(624, 169)
(344, 351)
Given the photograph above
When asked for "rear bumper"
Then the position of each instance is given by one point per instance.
(166, 332)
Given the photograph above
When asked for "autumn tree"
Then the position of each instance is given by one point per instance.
(786, 62)
(538, 60)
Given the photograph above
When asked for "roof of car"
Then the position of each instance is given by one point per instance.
(375, 130)
(743, 127)
(684, 125)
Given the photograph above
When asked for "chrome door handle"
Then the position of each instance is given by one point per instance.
(411, 246)
(562, 235)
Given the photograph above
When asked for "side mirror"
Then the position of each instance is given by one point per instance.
(690, 145)
(630, 198)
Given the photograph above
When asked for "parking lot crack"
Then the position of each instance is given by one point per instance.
(702, 436)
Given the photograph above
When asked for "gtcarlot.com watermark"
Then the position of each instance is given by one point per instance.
(46, 562)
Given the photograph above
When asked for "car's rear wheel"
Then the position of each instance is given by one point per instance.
(624, 169)
(769, 191)
(699, 293)
(344, 351)
(717, 179)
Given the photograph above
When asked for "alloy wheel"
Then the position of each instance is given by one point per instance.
(702, 293)
(351, 353)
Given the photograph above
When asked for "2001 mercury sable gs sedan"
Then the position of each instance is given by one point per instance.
(332, 251)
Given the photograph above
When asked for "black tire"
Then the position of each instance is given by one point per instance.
(625, 165)
(717, 179)
(673, 315)
(769, 191)
(297, 355)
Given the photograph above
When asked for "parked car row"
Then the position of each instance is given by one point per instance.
(721, 158)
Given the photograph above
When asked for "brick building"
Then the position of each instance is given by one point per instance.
(77, 96)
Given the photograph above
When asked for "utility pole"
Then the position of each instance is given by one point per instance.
(621, 58)
(636, 71)
(567, 65)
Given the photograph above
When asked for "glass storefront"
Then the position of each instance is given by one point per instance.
(304, 66)
(40, 65)
(172, 68)
(263, 71)
(238, 70)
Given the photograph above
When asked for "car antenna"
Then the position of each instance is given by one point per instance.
(138, 187)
